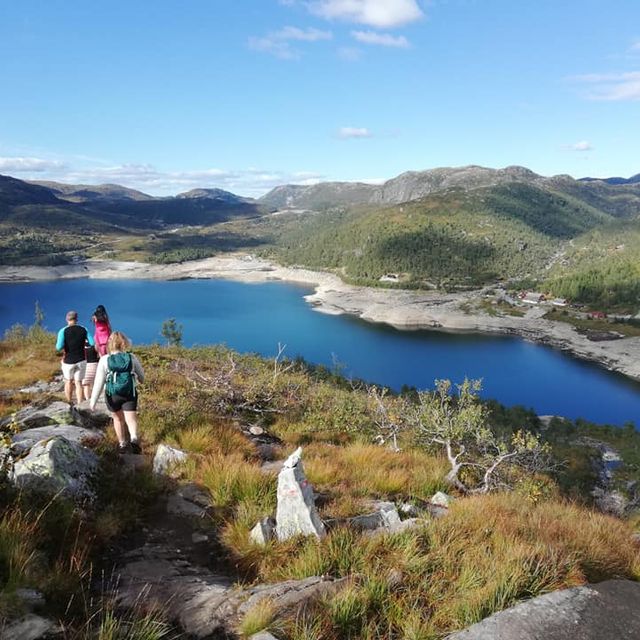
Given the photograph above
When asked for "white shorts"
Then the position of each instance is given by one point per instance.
(74, 371)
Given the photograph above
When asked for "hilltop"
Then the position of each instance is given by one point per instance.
(236, 418)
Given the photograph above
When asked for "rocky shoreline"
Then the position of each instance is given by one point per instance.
(402, 309)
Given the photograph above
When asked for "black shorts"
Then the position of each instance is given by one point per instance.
(121, 403)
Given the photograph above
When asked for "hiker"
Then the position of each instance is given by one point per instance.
(92, 358)
(71, 341)
(118, 372)
(100, 319)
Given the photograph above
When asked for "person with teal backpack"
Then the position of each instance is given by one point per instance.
(118, 372)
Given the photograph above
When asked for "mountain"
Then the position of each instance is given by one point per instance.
(214, 194)
(620, 200)
(408, 186)
(17, 192)
(91, 193)
(616, 180)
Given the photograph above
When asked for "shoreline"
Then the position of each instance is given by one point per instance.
(399, 308)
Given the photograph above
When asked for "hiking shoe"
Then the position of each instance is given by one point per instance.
(135, 447)
(123, 447)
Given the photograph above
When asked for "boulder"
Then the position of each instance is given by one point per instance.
(167, 459)
(30, 627)
(296, 511)
(441, 499)
(263, 532)
(24, 440)
(57, 465)
(263, 635)
(613, 502)
(33, 417)
(606, 611)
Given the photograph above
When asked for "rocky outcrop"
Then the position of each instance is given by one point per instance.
(201, 602)
(25, 440)
(57, 465)
(296, 512)
(32, 417)
(606, 611)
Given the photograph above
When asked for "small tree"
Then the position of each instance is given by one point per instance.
(387, 415)
(480, 460)
(172, 332)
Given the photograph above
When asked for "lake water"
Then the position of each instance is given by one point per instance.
(256, 317)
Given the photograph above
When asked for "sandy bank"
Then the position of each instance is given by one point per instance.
(398, 308)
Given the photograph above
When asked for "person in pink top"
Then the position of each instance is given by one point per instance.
(100, 319)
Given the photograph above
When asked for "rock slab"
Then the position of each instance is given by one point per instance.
(606, 611)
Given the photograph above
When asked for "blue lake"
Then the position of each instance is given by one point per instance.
(256, 317)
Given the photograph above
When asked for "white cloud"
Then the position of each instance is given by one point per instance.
(307, 35)
(383, 14)
(583, 145)
(354, 132)
(277, 43)
(13, 164)
(253, 181)
(384, 39)
(612, 87)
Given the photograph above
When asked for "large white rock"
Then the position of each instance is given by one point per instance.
(296, 511)
(57, 465)
(167, 459)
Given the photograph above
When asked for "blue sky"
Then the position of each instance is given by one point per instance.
(243, 95)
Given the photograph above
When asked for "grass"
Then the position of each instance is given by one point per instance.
(27, 355)
(488, 553)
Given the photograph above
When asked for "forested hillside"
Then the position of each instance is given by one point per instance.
(461, 238)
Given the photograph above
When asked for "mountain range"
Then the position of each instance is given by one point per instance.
(447, 227)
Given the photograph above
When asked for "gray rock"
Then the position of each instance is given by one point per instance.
(178, 506)
(263, 635)
(42, 387)
(408, 509)
(256, 431)
(606, 611)
(24, 440)
(99, 418)
(30, 627)
(611, 502)
(296, 511)
(441, 499)
(195, 494)
(202, 603)
(263, 532)
(33, 417)
(168, 459)
(57, 465)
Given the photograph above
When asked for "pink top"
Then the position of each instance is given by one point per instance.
(103, 331)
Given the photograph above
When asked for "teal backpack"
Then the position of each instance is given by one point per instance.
(120, 378)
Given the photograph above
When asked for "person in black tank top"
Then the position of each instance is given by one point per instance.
(71, 341)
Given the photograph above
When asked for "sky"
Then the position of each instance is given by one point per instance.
(245, 95)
